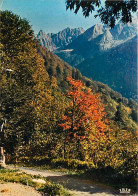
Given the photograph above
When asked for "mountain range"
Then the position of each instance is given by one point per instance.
(96, 40)
(106, 55)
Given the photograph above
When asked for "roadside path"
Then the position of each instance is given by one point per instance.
(77, 186)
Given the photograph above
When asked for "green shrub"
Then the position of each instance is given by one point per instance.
(54, 189)
(57, 163)
(71, 164)
(41, 160)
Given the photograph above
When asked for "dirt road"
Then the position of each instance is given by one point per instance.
(77, 186)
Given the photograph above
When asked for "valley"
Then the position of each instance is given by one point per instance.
(93, 50)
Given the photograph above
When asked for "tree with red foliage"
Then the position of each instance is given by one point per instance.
(84, 118)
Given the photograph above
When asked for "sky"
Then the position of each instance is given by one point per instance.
(48, 15)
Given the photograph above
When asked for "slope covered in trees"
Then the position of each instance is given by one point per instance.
(116, 68)
(27, 94)
(46, 116)
(59, 69)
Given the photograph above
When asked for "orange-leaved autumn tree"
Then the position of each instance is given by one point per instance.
(84, 119)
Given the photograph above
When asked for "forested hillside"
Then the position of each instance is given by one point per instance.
(59, 69)
(50, 112)
(116, 67)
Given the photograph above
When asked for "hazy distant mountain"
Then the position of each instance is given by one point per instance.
(116, 67)
(60, 39)
(96, 40)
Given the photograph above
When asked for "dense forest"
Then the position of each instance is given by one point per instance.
(49, 111)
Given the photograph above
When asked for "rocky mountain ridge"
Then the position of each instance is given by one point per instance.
(96, 39)
(54, 41)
